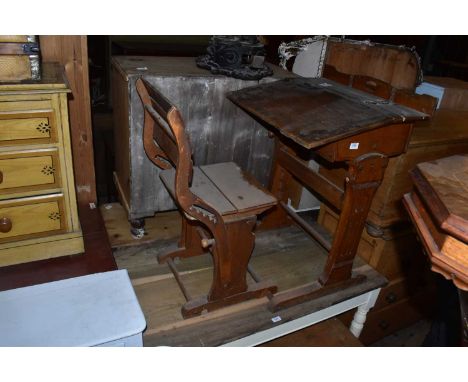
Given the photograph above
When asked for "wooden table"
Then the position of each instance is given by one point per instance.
(338, 126)
(438, 206)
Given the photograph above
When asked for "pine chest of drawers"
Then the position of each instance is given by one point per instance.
(38, 212)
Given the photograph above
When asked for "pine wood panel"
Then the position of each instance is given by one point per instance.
(72, 52)
(38, 200)
(41, 249)
(51, 80)
(32, 217)
(13, 38)
(23, 171)
(27, 120)
(14, 68)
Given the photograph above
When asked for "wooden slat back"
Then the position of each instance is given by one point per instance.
(164, 136)
(156, 123)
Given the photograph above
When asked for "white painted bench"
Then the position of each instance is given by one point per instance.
(94, 310)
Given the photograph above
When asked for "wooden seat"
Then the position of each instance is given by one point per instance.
(225, 187)
(219, 204)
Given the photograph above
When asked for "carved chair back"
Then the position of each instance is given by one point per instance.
(167, 145)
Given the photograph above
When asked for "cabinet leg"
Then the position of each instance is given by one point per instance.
(137, 228)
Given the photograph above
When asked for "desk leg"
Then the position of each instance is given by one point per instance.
(363, 177)
(282, 186)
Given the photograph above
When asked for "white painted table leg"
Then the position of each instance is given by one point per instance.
(360, 316)
(358, 321)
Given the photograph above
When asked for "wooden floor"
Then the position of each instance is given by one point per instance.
(286, 256)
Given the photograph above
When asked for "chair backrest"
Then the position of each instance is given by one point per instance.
(164, 139)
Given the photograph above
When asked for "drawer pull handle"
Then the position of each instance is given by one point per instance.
(5, 225)
(43, 128)
(1, 176)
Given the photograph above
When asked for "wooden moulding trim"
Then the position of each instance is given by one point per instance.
(447, 222)
(437, 258)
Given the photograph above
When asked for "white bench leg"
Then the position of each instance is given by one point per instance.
(360, 316)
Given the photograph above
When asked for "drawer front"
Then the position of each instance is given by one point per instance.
(27, 171)
(27, 126)
(31, 217)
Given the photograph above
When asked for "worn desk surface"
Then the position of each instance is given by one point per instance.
(316, 111)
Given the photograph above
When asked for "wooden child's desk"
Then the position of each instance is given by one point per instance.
(340, 126)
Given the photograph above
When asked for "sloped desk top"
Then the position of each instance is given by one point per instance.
(316, 111)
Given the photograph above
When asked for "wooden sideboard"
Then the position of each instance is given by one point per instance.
(218, 131)
(38, 211)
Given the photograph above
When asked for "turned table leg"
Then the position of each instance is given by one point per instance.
(361, 314)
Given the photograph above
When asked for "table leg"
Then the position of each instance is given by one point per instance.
(363, 177)
(361, 314)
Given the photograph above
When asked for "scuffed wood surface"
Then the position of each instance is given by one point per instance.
(218, 130)
(443, 184)
(313, 112)
(449, 178)
(222, 186)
